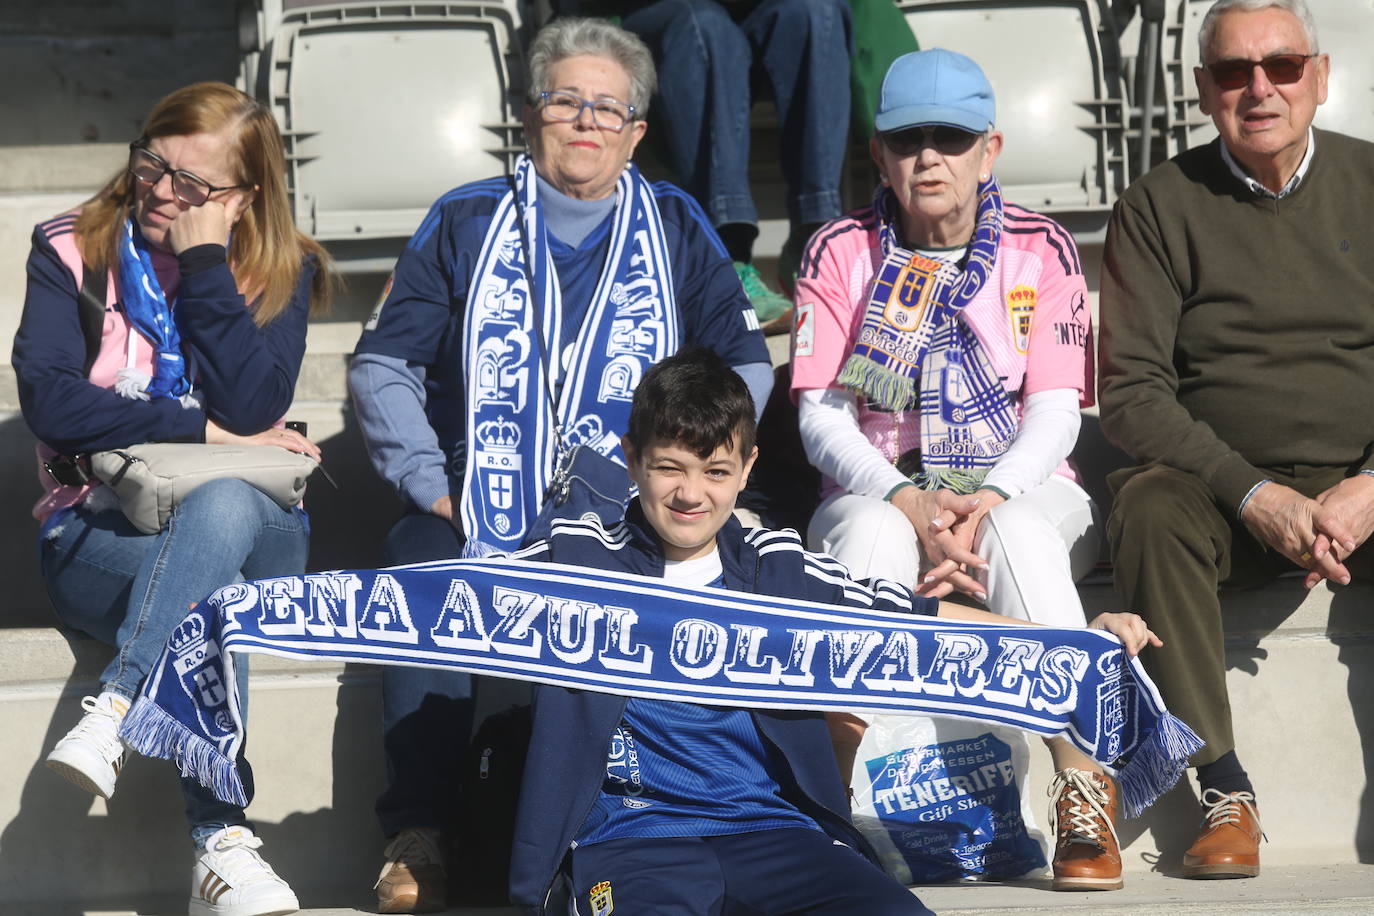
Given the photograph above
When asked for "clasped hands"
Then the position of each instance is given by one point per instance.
(1318, 534)
(946, 524)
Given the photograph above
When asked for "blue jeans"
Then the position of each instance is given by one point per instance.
(130, 590)
(799, 50)
(426, 714)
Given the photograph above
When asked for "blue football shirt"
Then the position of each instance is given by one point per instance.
(683, 769)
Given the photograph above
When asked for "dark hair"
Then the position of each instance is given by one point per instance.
(695, 399)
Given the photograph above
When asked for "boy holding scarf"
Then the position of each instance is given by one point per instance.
(686, 807)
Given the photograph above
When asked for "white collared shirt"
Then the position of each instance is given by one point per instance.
(1260, 189)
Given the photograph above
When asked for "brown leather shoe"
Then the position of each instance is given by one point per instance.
(1228, 845)
(413, 879)
(1087, 856)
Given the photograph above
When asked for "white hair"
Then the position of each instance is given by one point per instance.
(572, 36)
(1298, 8)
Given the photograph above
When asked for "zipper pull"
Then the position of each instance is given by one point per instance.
(484, 767)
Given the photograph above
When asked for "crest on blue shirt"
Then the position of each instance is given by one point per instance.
(599, 898)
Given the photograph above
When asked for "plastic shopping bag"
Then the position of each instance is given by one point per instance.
(943, 800)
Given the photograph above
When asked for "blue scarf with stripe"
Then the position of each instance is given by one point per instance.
(513, 339)
(149, 312)
(644, 637)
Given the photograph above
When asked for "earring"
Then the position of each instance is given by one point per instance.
(883, 180)
(983, 177)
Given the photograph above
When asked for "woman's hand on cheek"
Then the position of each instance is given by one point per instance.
(208, 224)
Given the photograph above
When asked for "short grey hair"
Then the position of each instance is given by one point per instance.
(575, 35)
(1298, 8)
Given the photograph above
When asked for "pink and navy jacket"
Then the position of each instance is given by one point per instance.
(244, 375)
(1032, 316)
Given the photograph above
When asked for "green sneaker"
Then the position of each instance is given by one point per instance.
(768, 305)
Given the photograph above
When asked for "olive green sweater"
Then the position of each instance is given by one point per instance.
(1238, 331)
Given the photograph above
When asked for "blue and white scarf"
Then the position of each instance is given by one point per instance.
(912, 328)
(644, 637)
(513, 433)
(148, 311)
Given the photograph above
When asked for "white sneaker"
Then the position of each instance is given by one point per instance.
(231, 879)
(90, 756)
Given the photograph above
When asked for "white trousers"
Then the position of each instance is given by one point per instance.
(1036, 545)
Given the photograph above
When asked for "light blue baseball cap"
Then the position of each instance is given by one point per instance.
(935, 87)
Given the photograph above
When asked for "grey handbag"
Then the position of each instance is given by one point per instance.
(152, 478)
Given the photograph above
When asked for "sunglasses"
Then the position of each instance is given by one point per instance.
(148, 167)
(1280, 69)
(949, 141)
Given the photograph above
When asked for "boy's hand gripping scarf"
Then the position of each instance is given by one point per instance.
(631, 324)
(146, 307)
(912, 327)
(642, 637)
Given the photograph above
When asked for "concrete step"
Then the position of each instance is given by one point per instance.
(1339, 890)
(1324, 889)
(1327, 890)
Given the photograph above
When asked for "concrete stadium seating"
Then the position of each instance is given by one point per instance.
(435, 92)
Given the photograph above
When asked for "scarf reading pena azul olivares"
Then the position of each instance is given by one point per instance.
(912, 328)
(643, 637)
(513, 435)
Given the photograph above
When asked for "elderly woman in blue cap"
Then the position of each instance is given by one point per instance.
(939, 363)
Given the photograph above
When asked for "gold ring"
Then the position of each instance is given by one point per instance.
(1306, 557)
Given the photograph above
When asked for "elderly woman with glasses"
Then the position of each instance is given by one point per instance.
(516, 325)
(939, 362)
(170, 307)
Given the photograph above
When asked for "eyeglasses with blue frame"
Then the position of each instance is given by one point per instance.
(608, 114)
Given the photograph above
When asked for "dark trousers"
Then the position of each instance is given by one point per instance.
(1173, 548)
(793, 870)
(426, 714)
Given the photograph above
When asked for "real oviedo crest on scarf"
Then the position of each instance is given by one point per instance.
(196, 662)
(498, 473)
(908, 295)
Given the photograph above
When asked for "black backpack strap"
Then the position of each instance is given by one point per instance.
(91, 309)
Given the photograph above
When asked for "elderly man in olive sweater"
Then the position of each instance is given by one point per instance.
(1237, 358)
